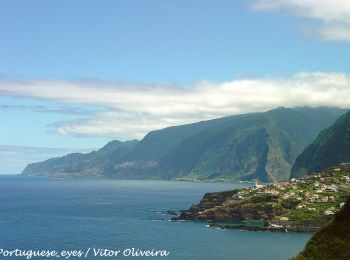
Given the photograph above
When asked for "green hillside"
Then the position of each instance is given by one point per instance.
(331, 147)
(244, 147)
(305, 204)
(332, 241)
(92, 164)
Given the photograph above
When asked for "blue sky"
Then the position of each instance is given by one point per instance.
(76, 74)
(156, 41)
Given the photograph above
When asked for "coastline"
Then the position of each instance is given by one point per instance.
(299, 205)
(265, 229)
(94, 177)
(252, 228)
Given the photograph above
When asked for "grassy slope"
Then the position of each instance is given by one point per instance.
(332, 241)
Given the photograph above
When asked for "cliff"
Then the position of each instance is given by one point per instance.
(331, 147)
(252, 146)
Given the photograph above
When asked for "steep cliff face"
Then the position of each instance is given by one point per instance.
(331, 147)
(253, 152)
(259, 146)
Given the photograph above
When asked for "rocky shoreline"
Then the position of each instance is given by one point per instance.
(298, 205)
(255, 228)
(264, 229)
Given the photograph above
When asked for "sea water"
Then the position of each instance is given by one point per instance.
(71, 215)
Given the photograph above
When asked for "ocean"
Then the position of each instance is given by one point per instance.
(85, 215)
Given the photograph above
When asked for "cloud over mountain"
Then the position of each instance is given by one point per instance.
(129, 111)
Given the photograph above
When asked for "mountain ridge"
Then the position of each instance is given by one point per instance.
(250, 146)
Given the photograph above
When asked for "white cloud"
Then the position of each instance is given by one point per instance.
(130, 111)
(44, 109)
(333, 16)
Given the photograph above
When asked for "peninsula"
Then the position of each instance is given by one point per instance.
(304, 204)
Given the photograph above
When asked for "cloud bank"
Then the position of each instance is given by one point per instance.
(332, 16)
(127, 111)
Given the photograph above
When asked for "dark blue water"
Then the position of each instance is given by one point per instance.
(40, 213)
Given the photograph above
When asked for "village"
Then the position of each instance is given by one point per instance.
(318, 195)
(302, 205)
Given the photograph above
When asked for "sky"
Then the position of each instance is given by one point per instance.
(77, 74)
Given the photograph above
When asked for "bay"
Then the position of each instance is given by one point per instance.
(77, 214)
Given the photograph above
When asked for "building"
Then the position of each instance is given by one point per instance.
(328, 213)
(332, 187)
(237, 197)
(258, 186)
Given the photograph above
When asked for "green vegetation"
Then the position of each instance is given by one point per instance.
(332, 241)
(252, 146)
(304, 204)
(93, 164)
(331, 147)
